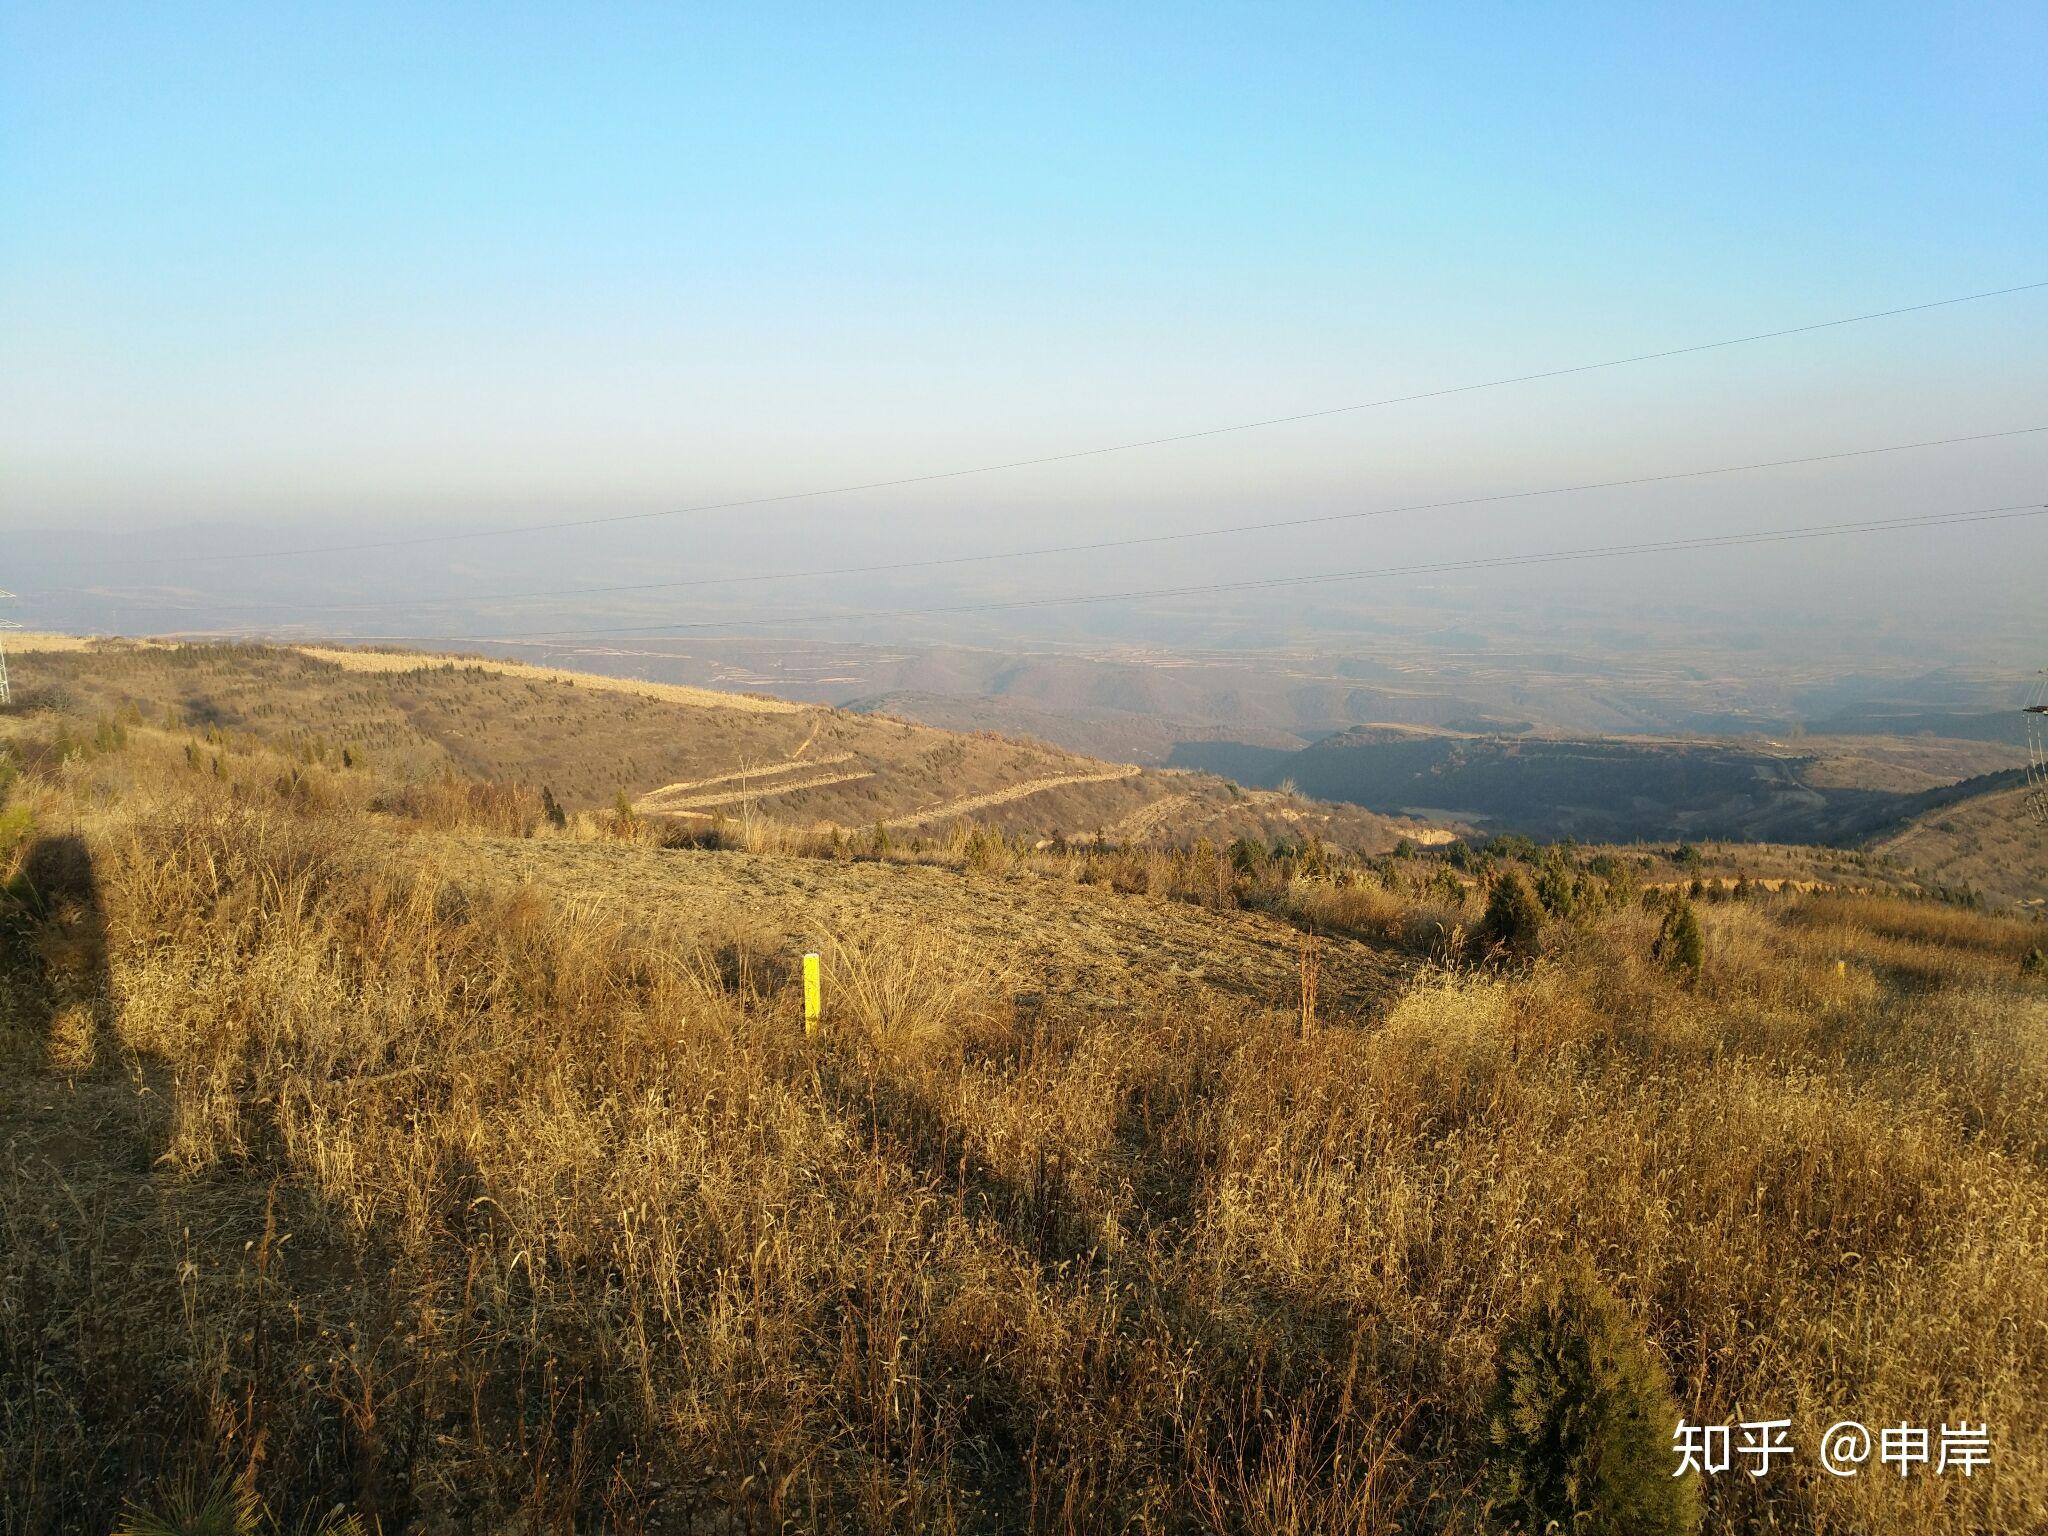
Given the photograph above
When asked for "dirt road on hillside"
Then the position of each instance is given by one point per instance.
(973, 803)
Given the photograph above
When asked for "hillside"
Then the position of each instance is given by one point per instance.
(373, 1145)
(683, 753)
(1988, 843)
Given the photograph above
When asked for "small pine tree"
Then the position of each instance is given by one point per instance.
(1512, 929)
(1579, 1432)
(982, 850)
(1680, 944)
(1554, 887)
(1315, 858)
(551, 808)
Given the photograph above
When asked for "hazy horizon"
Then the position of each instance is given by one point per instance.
(270, 282)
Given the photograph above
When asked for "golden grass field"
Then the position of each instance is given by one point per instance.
(381, 1148)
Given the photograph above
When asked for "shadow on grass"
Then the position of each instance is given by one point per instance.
(144, 1307)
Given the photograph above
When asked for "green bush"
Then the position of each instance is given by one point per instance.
(1680, 944)
(1446, 887)
(1512, 929)
(982, 850)
(624, 819)
(1555, 887)
(1579, 1432)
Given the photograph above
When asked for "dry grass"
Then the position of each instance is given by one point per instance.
(1427, 923)
(472, 1206)
(912, 995)
(1920, 923)
(46, 641)
(450, 803)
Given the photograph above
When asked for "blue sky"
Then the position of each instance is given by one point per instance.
(302, 265)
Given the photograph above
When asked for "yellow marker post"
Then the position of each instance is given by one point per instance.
(811, 996)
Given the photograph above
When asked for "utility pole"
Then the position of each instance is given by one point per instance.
(2036, 711)
(6, 694)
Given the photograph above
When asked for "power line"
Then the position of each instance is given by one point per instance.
(1136, 540)
(1479, 563)
(1129, 446)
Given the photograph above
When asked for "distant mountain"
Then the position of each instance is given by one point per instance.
(1127, 735)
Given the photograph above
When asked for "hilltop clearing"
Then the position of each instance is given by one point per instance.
(1090, 946)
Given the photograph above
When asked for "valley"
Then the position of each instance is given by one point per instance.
(1630, 789)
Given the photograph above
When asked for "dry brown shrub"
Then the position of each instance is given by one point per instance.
(1917, 921)
(910, 993)
(452, 804)
(1370, 910)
